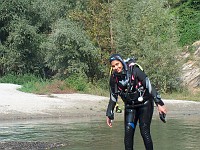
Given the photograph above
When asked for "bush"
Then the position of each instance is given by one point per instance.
(19, 79)
(80, 83)
(77, 82)
(47, 87)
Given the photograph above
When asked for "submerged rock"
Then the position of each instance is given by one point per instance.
(13, 145)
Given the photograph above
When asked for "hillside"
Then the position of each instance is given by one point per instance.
(191, 67)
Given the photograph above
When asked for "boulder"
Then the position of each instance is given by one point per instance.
(191, 69)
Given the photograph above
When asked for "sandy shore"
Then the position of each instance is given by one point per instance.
(19, 105)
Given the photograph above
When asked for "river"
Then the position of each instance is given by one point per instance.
(89, 134)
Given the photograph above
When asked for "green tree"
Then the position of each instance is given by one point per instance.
(146, 30)
(68, 50)
(94, 17)
(19, 38)
(188, 15)
(24, 25)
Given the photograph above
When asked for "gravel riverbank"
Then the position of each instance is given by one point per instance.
(19, 105)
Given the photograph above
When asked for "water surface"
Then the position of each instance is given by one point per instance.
(81, 134)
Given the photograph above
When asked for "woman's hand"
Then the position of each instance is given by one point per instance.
(109, 122)
(162, 109)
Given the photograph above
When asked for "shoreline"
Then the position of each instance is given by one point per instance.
(17, 105)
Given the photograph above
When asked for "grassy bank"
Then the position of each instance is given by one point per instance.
(63, 87)
(186, 95)
(36, 85)
(77, 84)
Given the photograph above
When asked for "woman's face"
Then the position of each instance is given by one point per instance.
(117, 66)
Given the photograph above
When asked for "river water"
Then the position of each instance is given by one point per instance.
(89, 134)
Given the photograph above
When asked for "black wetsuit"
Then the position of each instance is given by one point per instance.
(135, 110)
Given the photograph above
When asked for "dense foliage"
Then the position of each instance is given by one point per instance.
(146, 30)
(66, 37)
(188, 17)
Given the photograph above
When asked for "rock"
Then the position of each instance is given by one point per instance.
(191, 74)
(191, 69)
(15, 145)
(196, 44)
(197, 53)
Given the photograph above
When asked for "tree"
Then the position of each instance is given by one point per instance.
(146, 30)
(94, 17)
(188, 15)
(68, 50)
(19, 38)
(25, 24)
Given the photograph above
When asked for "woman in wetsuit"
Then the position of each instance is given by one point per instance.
(133, 86)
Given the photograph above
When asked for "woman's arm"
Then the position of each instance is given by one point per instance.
(112, 102)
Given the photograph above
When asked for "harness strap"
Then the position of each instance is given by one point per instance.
(128, 106)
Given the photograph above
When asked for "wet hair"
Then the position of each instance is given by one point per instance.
(115, 57)
(119, 58)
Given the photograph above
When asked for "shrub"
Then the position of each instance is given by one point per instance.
(19, 79)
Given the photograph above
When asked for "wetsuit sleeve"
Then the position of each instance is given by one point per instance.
(112, 101)
(156, 97)
(147, 85)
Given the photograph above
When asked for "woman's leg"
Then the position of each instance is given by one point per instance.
(145, 117)
(130, 121)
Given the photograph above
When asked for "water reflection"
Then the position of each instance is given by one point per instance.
(176, 134)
